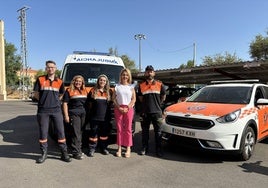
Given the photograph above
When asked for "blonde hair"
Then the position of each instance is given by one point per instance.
(129, 75)
(106, 87)
(72, 87)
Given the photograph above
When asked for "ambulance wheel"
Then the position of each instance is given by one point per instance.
(247, 144)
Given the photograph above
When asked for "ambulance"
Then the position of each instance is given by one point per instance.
(224, 116)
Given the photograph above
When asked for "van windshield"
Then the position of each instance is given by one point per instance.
(90, 72)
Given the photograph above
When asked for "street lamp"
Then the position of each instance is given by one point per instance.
(139, 37)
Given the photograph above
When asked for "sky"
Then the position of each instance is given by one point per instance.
(176, 30)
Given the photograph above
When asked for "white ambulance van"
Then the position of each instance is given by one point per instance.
(222, 116)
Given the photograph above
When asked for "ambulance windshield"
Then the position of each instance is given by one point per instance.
(90, 72)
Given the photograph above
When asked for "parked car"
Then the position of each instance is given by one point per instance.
(176, 94)
(221, 117)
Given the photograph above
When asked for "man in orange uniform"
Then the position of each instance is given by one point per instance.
(151, 93)
(49, 90)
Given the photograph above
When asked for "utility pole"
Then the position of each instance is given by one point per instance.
(3, 93)
(24, 63)
(194, 59)
(139, 37)
(194, 55)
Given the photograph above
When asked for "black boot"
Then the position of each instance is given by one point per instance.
(104, 151)
(43, 157)
(159, 152)
(103, 146)
(158, 144)
(65, 157)
(144, 150)
(92, 147)
(91, 152)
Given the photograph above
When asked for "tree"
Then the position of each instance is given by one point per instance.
(13, 64)
(220, 59)
(113, 51)
(259, 48)
(130, 64)
(189, 64)
(41, 72)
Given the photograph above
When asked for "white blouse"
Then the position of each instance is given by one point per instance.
(123, 94)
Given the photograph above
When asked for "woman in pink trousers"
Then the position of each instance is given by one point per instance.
(124, 98)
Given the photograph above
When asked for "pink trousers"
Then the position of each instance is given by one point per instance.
(124, 126)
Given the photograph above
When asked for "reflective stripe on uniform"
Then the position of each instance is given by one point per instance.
(103, 138)
(147, 88)
(61, 140)
(93, 139)
(43, 141)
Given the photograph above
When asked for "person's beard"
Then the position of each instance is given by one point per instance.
(149, 77)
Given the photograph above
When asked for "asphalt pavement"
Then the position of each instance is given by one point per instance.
(180, 167)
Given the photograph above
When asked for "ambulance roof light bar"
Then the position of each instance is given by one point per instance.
(92, 53)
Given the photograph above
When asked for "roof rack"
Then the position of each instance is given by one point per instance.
(235, 81)
(92, 53)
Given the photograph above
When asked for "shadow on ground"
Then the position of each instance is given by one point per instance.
(20, 139)
(255, 167)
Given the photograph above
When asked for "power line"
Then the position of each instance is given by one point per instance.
(169, 51)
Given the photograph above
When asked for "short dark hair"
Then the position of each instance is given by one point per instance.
(149, 68)
(50, 61)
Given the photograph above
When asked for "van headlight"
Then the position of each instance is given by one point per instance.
(229, 117)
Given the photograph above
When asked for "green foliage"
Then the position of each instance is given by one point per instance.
(113, 51)
(58, 72)
(259, 48)
(12, 64)
(220, 59)
(189, 64)
(41, 72)
(130, 64)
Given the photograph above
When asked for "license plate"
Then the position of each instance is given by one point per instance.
(182, 132)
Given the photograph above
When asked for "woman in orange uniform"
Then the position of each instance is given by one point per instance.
(74, 100)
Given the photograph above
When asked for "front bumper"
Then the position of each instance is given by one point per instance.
(214, 139)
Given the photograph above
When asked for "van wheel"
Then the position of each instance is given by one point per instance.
(247, 144)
